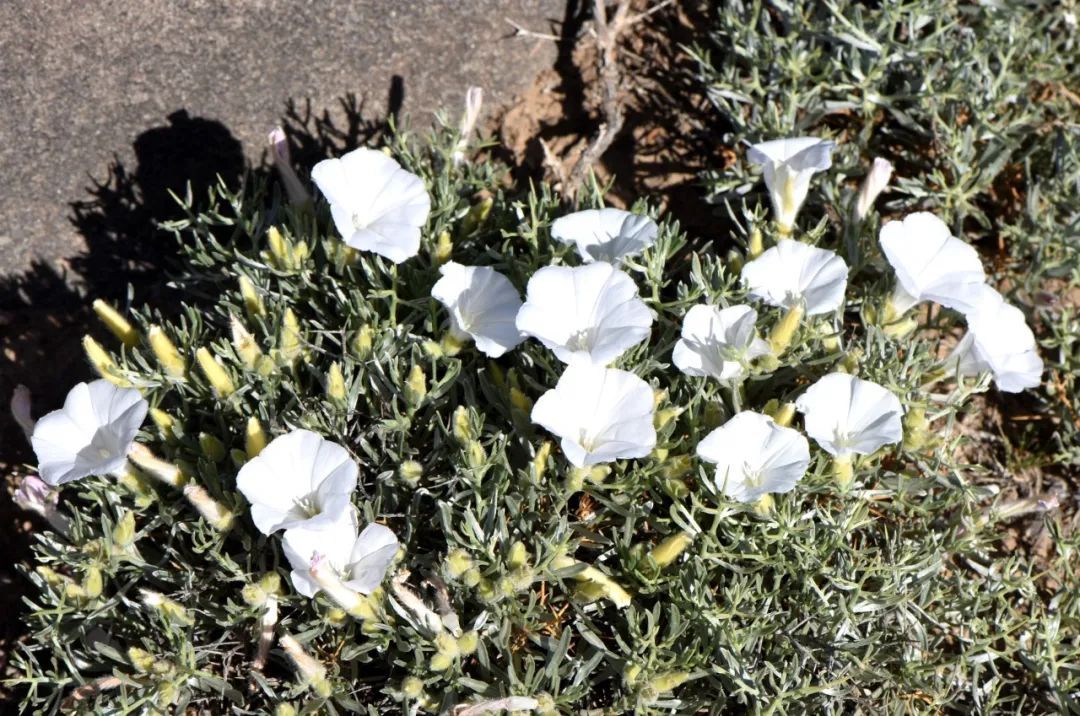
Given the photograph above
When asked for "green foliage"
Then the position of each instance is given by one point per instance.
(897, 596)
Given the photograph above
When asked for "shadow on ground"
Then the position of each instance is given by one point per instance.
(45, 312)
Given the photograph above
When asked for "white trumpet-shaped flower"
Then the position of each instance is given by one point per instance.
(91, 434)
(605, 234)
(483, 305)
(999, 341)
(793, 274)
(601, 414)
(788, 166)
(359, 560)
(376, 205)
(846, 415)
(931, 264)
(719, 342)
(754, 456)
(589, 312)
(299, 480)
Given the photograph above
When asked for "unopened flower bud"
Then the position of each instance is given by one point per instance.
(784, 331)
(363, 342)
(93, 583)
(410, 472)
(785, 414)
(20, 409)
(254, 438)
(474, 100)
(157, 468)
(468, 642)
(444, 248)
(668, 551)
(312, 673)
(916, 435)
(476, 215)
(252, 300)
(440, 662)
(116, 323)
(141, 659)
(172, 611)
(540, 461)
(280, 249)
(462, 426)
(475, 455)
(168, 357)
(457, 563)
(471, 578)
(244, 343)
(216, 375)
(520, 401)
(412, 687)
(335, 384)
(279, 150)
(590, 576)
(447, 644)
(416, 386)
(103, 363)
(668, 681)
(123, 534)
(290, 339)
(212, 448)
(875, 182)
(518, 556)
(219, 516)
(34, 495)
(756, 245)
(844, 471)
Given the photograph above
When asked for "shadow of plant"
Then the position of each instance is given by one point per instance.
(45, 311)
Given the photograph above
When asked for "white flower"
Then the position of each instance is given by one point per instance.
(483, 305)
(20, 410)
(299, 479)
(718, 342)
(90, 435)
(589, 312)
(875, 182)
(999, 341)
(788, 165)
(376, 205)
(846, 415)
(360, 561)
(793, 274)
(601, 414)
(754, 456)
(605, 234)
(930, 263)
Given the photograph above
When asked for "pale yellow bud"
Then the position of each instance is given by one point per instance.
(168, 357)
(416, 386)
(668, 551)
(215, 374)
(363, 342)
(540, 461)
(462, 426)
(219, 516)
(518, 556)
(668, 681)
(335, 384)
(166, 424)
(252, 300)
(123, 535)
(157, 468)
(247, 348)
(784, 331)
(103, 363)
(254, 437)
(290, 341)
(444, 248)
(116, 323)
(756, 245)
(312, 672)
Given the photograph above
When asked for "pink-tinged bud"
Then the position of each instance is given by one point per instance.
(279, 149)
(876, 181)
(474, 102)
(20, 409)
(34, 495)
